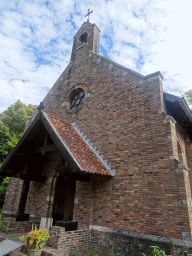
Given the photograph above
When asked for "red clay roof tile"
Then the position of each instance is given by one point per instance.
(83, 154)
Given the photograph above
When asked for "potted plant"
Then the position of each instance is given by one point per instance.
(35, 241)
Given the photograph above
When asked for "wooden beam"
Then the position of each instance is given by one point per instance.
(38, 178)
(19, 154)
(46, 148)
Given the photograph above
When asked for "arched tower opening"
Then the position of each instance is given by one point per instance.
(88, 34)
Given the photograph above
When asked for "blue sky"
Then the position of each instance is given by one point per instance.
(36, 39)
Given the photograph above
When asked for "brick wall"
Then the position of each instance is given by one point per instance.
(124, 117)
(13, 193)
(93, 34)
(84, 202)
(133, 243)
(188, 145)
(179, 141)
(10, 225)
(41, 194)
(69, 240)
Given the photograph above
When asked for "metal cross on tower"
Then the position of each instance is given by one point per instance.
(89, 12)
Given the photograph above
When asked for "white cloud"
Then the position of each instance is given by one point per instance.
(36, 41)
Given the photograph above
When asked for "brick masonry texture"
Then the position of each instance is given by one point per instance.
(130, 244)
(125, 118)
(122, 120)
(69, 240)
(37, 203)
(13, 195)
(10, 225)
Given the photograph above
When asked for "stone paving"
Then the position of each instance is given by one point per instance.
(13, 237)
(47, 251)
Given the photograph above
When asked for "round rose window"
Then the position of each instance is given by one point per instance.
(77, 98)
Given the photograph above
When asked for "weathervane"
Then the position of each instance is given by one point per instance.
(88, 14)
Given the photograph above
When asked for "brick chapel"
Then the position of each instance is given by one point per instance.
(107, 156)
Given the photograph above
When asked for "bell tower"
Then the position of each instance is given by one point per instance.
(87, 34)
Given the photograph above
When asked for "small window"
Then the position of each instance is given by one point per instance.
(77, 98)
(83, 38)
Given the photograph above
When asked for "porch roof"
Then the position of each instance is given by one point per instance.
(69, 140)
(72, 146)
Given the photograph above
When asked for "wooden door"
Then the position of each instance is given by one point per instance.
(64, 199)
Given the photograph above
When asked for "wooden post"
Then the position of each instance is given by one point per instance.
(23, 198)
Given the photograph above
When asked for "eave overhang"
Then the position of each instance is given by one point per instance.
(7, 172)
(179, 110)
(81, 160)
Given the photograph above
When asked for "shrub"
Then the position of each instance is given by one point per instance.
(157, 252)
(76, 252)
(94, 251)
(111, 250)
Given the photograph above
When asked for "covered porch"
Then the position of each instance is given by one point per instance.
(47, 167)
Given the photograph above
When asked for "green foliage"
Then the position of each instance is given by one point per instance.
(111, 250)
(94, 251)
(76, 252)
(36, 238)
(12, 124)
(188, 96)
(3, 188)
(1, 224)
(15, 116)
(157, 252)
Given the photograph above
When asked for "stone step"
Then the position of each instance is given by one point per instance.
(8, 246)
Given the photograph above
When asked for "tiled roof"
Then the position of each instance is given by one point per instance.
(82, 153)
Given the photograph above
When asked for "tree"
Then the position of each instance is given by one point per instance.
(15, 116)
(188, 96)
(12, 124)
(3, 189)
